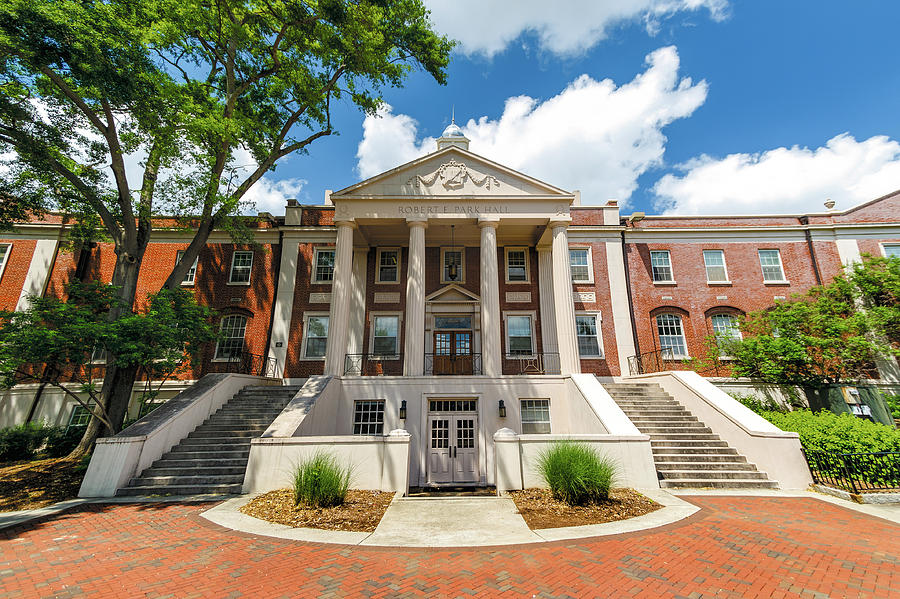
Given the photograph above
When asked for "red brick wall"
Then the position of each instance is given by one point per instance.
(295, 367)
(17, 263)
(389, 367)
(609, 364)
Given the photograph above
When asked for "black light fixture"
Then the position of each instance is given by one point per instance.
(403, 410)
(452, 269)
(502, 409)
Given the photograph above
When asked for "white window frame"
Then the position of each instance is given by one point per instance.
(783, 279)
(99, 355)
(80, 410)
(316, 251)
(598, 321)
(506, 252)
(378, 255)
(680, 320)
(884, 252)
(462, 265)
(590, 264)
(737, 329)
(523, 422)
(5, 260)
(532, 315)
(249, 268)
(373, 316)
(216, 357)
(192, 271)
(726, 280)
(379, 411)
(306, 317)
(671, 279)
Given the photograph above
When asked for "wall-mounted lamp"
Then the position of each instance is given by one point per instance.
(452, 268)
(502, 407)
(403, 410)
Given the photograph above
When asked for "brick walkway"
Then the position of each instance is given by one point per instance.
(734, 547)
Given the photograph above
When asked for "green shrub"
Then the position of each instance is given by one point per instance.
(21, 442)
(893, 403)
(758, 405)
(576, 473)
(61, 440)
(320, 481)
(844, 433)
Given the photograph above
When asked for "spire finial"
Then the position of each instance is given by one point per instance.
(453, 114)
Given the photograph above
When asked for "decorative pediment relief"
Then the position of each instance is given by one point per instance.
(452, 294)
(453, 175)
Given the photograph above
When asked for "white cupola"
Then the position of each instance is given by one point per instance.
(453, 136)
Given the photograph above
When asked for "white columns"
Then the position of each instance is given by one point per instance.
(562, 298)
(284, 302)
(38, 272)
(358, 301)
(621, 313)
(548, 311)
(414, 342)
(490, 299)
(341, 293)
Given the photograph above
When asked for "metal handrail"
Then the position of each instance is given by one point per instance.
(542, 363)
(373, 364)
(443, 364)
(651, 361)
(855, 472)
(244, 362)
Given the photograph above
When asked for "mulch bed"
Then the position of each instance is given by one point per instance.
(540, 510)
(39, 483)
(361, 511)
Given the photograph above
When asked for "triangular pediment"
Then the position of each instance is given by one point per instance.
(450, 172)
(452, 294)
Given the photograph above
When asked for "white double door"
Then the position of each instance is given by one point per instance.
(453, 448)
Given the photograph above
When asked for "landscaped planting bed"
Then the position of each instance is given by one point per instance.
(360, 512)
(541, 510)
(33, 484)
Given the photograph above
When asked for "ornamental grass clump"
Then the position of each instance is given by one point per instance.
(320, 481)
(576, 473)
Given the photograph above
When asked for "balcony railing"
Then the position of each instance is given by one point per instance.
(651, 361)
(373, 364)
(244, 362)
(441, 364)
(543, 363)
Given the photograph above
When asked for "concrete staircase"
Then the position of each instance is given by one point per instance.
(213, 458)
(687, 453)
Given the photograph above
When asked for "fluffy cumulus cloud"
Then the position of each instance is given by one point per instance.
(592, 136)
(784, 180)
(568, 27)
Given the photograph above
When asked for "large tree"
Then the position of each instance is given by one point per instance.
(89, 88)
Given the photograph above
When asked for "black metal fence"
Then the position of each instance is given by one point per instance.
(651, 361)
(244, 362)
(373, 365)
(447, 364)
(544, 363)
(856, 472)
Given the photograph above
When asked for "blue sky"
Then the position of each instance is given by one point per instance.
(690, 106)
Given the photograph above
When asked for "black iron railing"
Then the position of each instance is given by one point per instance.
(373, 364)
(856, 472)
(440, 364)
(543, 363)
(651, 361)
(243, 362)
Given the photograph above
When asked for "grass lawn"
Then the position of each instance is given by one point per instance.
(39, 483)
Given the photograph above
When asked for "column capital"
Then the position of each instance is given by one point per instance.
(345, 223)
(560, 222)
(488, 221)
(417, 221)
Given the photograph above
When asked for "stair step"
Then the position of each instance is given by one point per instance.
(683, 437)
(718, 484)
(662, 419)
(201, 462)
(683, 466)
(721, 448)
(194, 470)
(146, 481)
(220, 489)
(228, 433)
(690, 458)
(686, 443)
(694, 428)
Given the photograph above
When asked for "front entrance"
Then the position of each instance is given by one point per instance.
(453, 352)
(453, 441)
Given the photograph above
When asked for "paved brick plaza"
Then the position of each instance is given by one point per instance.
(734, 547)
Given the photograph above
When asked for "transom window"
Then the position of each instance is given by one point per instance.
(368, 417)
(519, 335)
(535, 416)
(580, 265)
(191, 274)
(388, 266)
(453, 322)
(4, 256)
(316, 336)
(770, 261)
(715, 266)
(726, 330)
(231, 342)
(588, 333)
(891, 250)
(671, 334)
(452, 405)
(516, 265)
(661, 265)
(385, 331)
(241, 263)
(453, 270)
(323, 271)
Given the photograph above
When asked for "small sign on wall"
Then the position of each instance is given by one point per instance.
(585, 297)
(320, 298)
(387, 298)
(513, 297)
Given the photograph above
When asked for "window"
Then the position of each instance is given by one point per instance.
(454, 266)
(671, 335)
(580, 265)
(516, 265)
(315, 336)
(385, 332)
(388, 266)
(241, 263)
(4, 256)
(231, 343)
(80, 416)
(891, 250)
(535, 416)
(587, 331)
(99, 355)
(192, 271)
(770, 260)
(715, 266)
(661, 265)
(368, 417)
(518, 335)
(323, 269)
(726, 330)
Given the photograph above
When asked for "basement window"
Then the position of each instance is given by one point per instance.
(535, 416)
(368, 417)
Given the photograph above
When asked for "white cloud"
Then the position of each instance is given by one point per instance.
(565, 27)
(592, 136)
(268, 195)
(784, 180)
